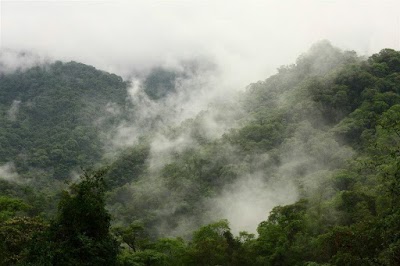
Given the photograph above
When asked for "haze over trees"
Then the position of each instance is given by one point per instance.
(302, 168)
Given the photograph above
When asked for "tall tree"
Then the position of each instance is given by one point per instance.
(80, 234)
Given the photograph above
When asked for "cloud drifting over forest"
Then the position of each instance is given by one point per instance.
(246, 40)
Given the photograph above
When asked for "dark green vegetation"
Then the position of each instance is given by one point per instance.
(330, 124)
(46, 117)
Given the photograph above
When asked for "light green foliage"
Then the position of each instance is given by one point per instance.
(164, 251)
(133, 236)
(210, 244)
(281, 239)
(9, 207)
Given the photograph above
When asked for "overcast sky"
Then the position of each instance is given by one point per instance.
(248, 39)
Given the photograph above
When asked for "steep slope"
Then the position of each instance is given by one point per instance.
(316, 146)
(328, 125)
(281, 139)
(47, 115)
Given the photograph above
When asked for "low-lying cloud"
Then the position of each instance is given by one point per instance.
(242, 42)
(248, 201)
(9, 173)
(247, 39)
(13, 60)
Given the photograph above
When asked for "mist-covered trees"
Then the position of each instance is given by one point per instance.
(160, 82)
(341, 119)
(329, 125)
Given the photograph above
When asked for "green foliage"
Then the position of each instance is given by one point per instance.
(329, 124)
(280, 240)
(80, 234)
(138, 249)
(133, 236)
(47, 116)
(9, 207)
(16, 236)
(210, 244)
(334, 118)
(128, 167)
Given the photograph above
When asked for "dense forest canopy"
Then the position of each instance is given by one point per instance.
(302, 168)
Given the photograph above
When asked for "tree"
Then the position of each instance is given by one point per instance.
(281, 240)
(212, 245)
(80, 234)
(134, 236)
(10, 206)
(16, 235)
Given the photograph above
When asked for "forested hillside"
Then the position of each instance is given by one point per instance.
(310, 155)
(47, 116)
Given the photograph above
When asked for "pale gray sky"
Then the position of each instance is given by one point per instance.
(247, 39)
